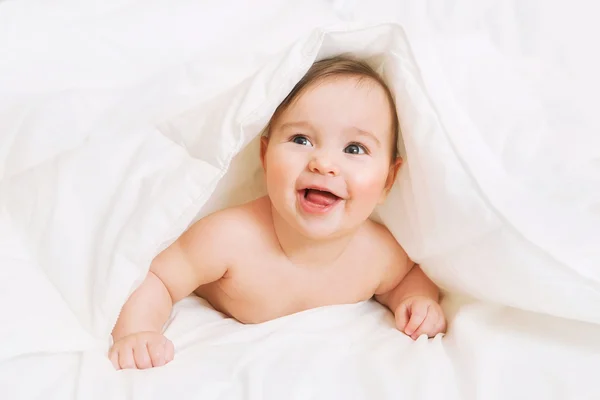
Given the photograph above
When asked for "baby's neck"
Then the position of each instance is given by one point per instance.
(308, 252)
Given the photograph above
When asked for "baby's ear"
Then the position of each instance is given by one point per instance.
(264, 143)
(391, 178)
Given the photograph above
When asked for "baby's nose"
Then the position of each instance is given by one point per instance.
(323, 164)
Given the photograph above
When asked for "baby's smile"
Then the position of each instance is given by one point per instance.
(317, 201)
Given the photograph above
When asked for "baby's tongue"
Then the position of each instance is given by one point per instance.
(320, 198)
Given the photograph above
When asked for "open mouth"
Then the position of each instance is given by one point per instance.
(322, 197)
(317, 201)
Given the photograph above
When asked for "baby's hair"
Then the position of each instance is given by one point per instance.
(335, 67)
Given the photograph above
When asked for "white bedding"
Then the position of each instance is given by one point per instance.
(120, 123)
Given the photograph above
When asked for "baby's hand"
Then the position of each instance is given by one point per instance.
(419, 315)
(141, 350)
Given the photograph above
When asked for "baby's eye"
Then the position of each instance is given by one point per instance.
(355, 148)
(301, 140)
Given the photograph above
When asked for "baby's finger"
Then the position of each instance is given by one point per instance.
(401, 316)
(440, 326)
(126, 360)
(438, 321)
(418, 313)
(141, 356)
(427, 327)
(113, 356)
(157, 353)
(169, 351)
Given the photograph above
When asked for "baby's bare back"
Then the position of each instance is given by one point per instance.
(261, 283)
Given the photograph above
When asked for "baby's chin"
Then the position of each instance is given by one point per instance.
(328, 226)
(323, 229)
(319, 233)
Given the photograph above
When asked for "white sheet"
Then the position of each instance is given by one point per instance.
(118, 69)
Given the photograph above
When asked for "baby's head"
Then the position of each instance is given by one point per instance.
(330, 149)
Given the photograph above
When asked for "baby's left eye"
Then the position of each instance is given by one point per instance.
(355, 149)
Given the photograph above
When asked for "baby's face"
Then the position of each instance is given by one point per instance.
(327, 160)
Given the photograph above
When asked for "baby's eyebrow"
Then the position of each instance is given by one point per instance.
(296, 124)
(368, 134)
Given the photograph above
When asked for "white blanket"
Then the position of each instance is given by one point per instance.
(123, 123)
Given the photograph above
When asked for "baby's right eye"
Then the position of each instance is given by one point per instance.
(301, 140)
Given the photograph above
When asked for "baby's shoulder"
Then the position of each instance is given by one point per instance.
(222, 237)
(378, 237)
(379, 241)
(232, 225)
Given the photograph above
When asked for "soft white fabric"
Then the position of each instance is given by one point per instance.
(512, 107)
(121, 124)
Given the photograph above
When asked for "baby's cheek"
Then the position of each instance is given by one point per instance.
(280, 170)
(366, 192)
(368, 187)
(275, 179)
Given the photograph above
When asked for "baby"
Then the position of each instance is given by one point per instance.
(329, 158)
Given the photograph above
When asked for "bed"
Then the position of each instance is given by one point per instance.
(123, 122)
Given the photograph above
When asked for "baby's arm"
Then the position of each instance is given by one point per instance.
(414, 283)
(412, 297)
(192, 260)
